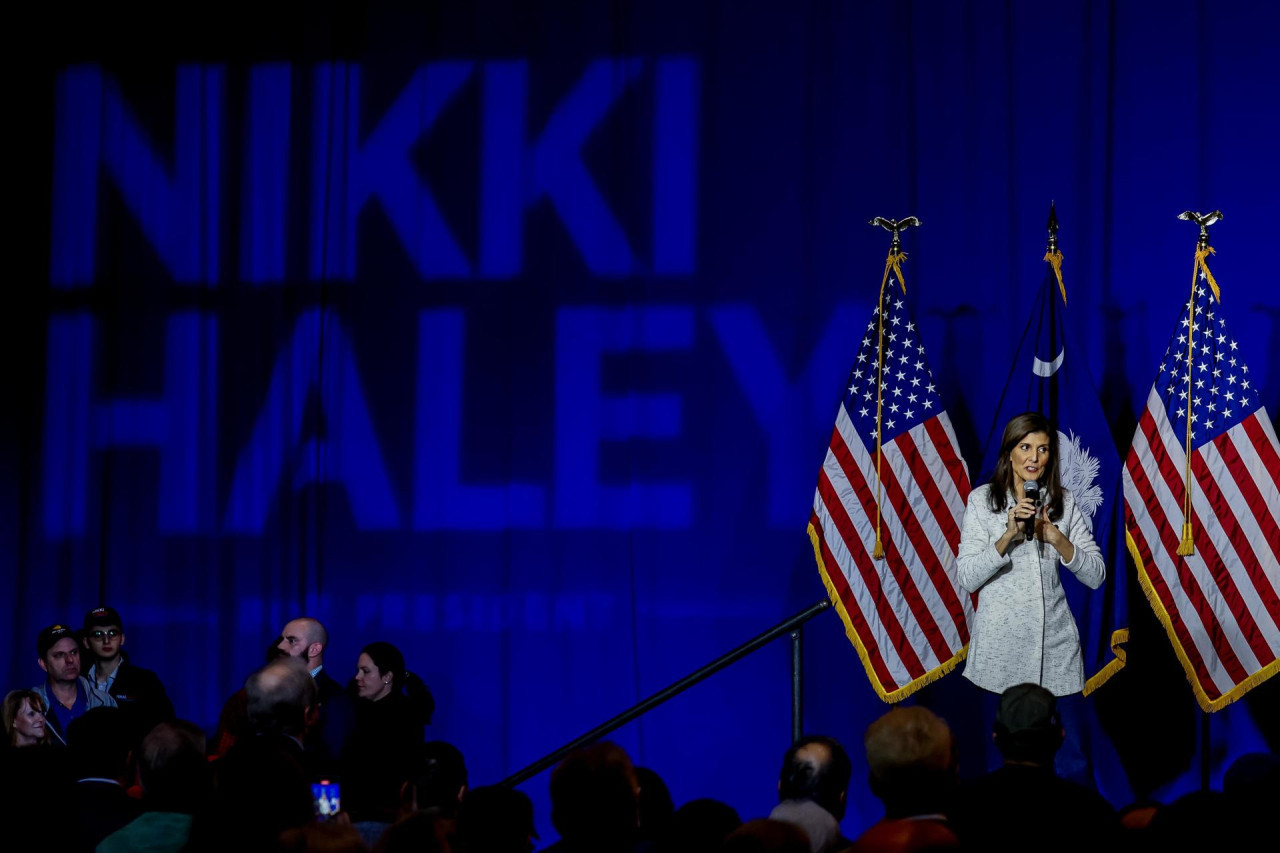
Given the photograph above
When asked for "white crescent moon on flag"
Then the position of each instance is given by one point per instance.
(1047, 368)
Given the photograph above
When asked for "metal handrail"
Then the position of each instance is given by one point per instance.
(792, 625)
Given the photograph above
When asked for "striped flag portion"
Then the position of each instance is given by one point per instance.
(906, 613)
(1219, 604)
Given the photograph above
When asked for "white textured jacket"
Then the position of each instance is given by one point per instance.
(1023, 629)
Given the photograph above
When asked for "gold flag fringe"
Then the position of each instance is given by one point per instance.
(1208, 704)
(1119, 638)
(890, 696)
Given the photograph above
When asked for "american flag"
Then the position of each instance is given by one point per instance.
(906, 613)
(1218, 604)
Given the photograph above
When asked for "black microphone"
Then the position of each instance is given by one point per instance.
(1031, 489)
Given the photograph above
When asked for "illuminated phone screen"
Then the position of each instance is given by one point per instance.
(326, 798)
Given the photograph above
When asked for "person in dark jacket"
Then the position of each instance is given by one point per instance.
(100, 743)
(306, 639)
(65, 693)
(1024, 802)
(139, 692)
(392, 707)
(262, 786)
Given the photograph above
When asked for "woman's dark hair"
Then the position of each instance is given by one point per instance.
(1018, 428)
(389, 661)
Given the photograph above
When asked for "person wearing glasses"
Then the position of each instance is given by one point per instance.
(138, 691)
(65, 694)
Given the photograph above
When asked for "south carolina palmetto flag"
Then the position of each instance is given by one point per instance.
(1050, 375)
(886, 517)
(1202, 494)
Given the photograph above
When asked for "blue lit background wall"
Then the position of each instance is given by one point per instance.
(513, 334)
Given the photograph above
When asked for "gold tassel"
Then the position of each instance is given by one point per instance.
(1055, 260)
(1202, 256)
(892, 263)
(1186, 547)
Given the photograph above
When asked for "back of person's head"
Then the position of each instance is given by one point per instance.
(36, 796)
(911, 757)
(1200, 820)
(279, 695)
(329, 837)
(422, 832)
(1135, 825)
(594, 798)
(495, 819)
(698, 826)
(816, 768)
(766, 836)
(438, 778)
(419, 697)
(654, 805)
(262, 784)
(100, 741)
(1252, 783)
(172, 767)
(1027, 727)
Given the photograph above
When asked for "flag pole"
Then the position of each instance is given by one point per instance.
(1052, 255)
(1199, 269)
(891, 264)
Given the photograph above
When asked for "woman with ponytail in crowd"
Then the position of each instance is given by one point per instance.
(392, 708)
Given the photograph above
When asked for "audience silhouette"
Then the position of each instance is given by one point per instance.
(93, 781)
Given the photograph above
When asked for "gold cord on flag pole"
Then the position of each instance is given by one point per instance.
(1054, 257)
(891, 263)
(1202, 258)
(1187, 547)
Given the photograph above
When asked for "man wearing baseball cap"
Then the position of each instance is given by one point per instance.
(1025, 803)
(138, 691)
(66, 693)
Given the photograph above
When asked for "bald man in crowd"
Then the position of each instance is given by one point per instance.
(263, 784)
(306, 639)
(813, 787)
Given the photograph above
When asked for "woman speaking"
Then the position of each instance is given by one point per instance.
(1017, 529)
